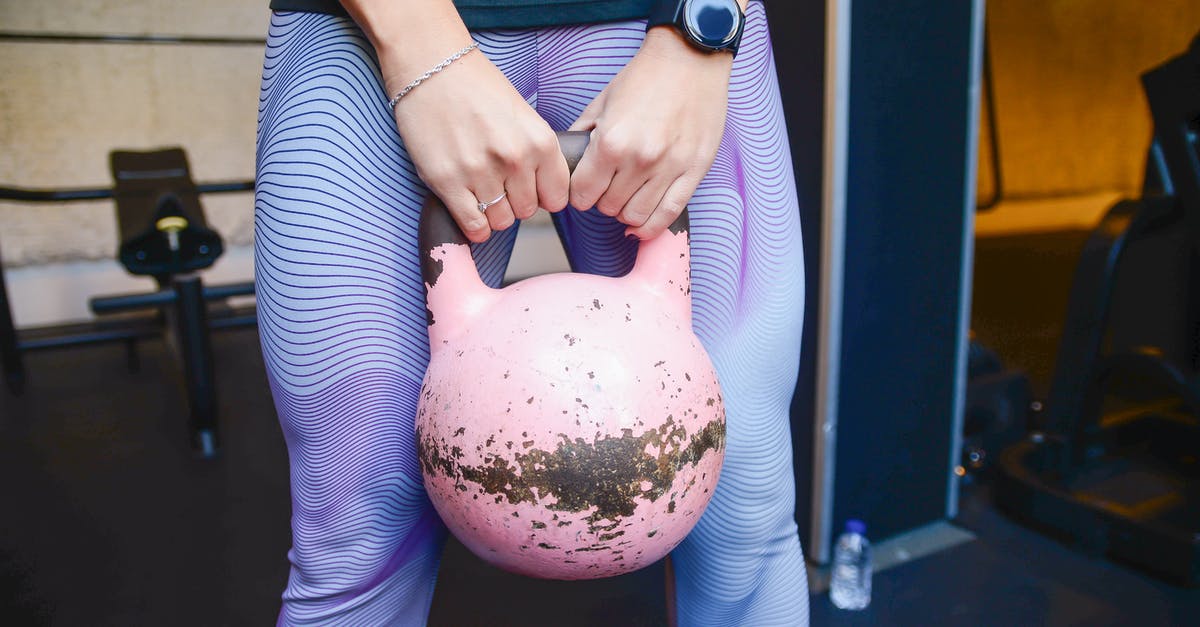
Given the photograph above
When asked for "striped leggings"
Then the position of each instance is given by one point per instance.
(342, 317)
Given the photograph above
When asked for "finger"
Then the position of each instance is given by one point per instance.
(499, 214)
(591, 178)
(621, 188)
(587, 120)
(522, 194)
(465, 211)
(644, 201)
(552, 178)
(677, 196)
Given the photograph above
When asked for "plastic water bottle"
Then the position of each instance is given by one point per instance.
(850, 585)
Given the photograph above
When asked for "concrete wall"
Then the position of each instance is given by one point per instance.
(64, 106)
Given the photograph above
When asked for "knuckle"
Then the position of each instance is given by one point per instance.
(581, 198)
(670, 210)
(647, 155)
(546, 145)
(608, 207)
(474, 167)
(524, 210)
(611, 146)
(553, 198)
(558, 202)
(640, 213)
(633, 218)
(512, 158)
(474, 224)
(672, 204)
(503, 222)
(438, 178)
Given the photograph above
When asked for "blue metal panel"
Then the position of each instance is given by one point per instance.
(906, 240)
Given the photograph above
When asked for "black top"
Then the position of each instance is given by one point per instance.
(480, 14)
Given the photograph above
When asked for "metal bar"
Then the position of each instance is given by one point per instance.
(24, 194)
(192, 337)
(153, 39)
(53, 195)
(833, 251)
(11, 364)
(99, 332)
(215, 292)
(966, 275)
(78, 335)
(125, 302)
(989, 95)
(233, 322)
(224, 187)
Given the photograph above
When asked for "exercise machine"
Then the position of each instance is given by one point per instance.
(1116, 469)
(164, 234)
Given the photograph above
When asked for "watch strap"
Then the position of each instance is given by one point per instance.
(664, 13)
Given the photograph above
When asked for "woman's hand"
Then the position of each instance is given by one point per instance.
(472, 137)
(655, 132)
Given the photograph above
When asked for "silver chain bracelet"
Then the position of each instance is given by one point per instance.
(434, 70)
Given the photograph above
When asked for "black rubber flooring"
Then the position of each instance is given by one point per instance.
(106, 518)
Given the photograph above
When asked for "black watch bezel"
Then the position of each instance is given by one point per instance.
(676, 13)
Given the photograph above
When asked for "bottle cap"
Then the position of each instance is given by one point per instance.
(855, 525)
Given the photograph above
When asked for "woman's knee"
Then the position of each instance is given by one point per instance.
(364, 577)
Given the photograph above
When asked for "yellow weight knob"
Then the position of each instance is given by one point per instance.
(171, 224)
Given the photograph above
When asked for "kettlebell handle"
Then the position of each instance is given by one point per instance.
(437, 226)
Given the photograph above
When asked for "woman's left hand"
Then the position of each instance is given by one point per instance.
(655, 130)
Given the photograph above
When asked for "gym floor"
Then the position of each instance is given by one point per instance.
(109, 521)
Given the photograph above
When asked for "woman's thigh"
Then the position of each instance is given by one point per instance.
(742, 564)
(342, 322)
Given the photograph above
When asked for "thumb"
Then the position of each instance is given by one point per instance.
(587, 119)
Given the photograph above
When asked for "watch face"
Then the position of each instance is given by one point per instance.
(712, 23)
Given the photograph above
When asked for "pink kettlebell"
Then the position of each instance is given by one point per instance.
(570, 426)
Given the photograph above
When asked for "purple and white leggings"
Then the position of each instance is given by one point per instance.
(342, 317)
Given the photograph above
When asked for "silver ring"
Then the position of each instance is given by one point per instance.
(484, 205)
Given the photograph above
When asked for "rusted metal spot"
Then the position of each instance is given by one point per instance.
(606, 474)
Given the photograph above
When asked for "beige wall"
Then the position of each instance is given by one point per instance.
(1071, 114)
(64, 106)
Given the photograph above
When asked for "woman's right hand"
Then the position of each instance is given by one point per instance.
(469, 133)
(472, 137)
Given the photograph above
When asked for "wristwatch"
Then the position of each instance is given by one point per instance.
(711, 25)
